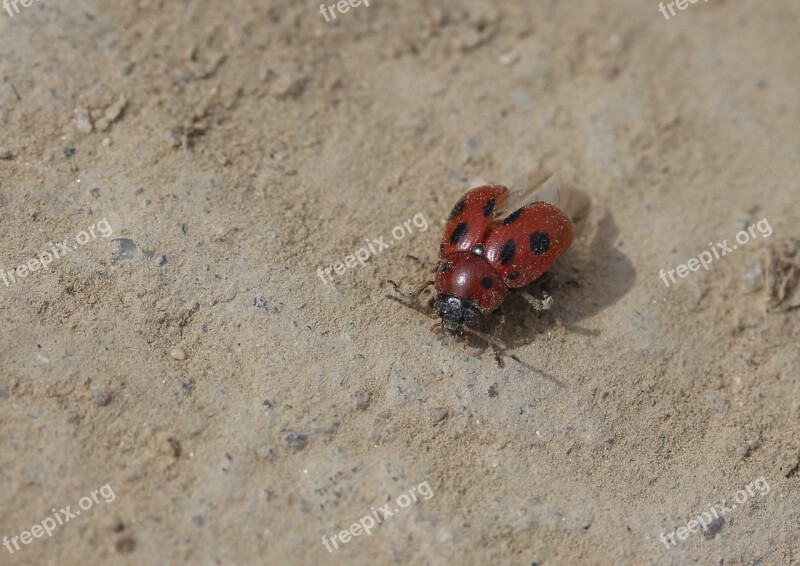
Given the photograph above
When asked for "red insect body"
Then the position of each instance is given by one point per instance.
(486, 253)
(481, 256)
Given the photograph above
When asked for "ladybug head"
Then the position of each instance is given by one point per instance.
(467, 287)
(455, 313)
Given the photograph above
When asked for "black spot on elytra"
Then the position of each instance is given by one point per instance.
(459, 233)
(507, 251)
(486, 282)
(489, 207)
(540, 242)
(511, 218)
(513, 276)
(457, 209)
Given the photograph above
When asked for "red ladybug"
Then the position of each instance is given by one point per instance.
(485, 255)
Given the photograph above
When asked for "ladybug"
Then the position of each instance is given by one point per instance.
(495, 242)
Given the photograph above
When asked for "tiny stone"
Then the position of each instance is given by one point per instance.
(177, 354)
(492, 391)
(229, 294)
(198, 520)
(265, 452)
(361, 399)
(101, 399)
(714, 528)
(288, 87)
(297, 441)
(111, 113)
(95, 193)
(438, 414)
(126, 249)
(509, 58)
(82, 121)
(125, 545)
(753, 277)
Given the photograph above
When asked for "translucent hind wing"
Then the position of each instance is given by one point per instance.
(542, 185)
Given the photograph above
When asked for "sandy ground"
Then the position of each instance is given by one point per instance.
(185, 379)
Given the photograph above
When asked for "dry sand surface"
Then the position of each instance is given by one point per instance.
(182, 376)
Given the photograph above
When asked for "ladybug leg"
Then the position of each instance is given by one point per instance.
(538, 304)
(498, 358)
(422, 287)
(498, 330)
(415, 306)
(496, 333)
(497, 345)
(410, 301)
(412, 296)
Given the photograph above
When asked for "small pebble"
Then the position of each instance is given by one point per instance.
(361, 399)
(83, 121)
(297, 441)
(714, 528)
(509, 58)
(126, 249)
(177, 354)
(125, 545)
(111, 113)
(101, 399)
(753, 277)
(438, 414)
(229, 294)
